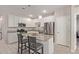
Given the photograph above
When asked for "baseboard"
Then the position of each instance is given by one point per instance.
(63, 45)
(12, 42)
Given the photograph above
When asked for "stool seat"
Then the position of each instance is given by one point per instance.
(34, 45)
(38, 46)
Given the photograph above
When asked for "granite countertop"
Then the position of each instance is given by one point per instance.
(42, 37)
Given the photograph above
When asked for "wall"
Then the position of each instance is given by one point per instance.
(74, 13)
(4, 28)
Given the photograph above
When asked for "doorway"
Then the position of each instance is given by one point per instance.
(0, 27)
(77, 32)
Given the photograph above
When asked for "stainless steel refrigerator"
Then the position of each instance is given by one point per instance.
(49, 28)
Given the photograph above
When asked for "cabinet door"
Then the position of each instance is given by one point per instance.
(16, 18)
(12, 37)
(13, 21)
(10, 21)
(24, 20)
(20, 20)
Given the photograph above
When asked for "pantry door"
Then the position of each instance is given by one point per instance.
(60, 31)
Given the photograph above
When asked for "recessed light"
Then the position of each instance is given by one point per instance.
(44, 11)
(40, 17)
(28, 19)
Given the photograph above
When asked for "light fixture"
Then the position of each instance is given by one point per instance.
(28, 19)
(44, 11)
(40, 17)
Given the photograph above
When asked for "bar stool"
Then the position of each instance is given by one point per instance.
(34, 46)
(22, 43)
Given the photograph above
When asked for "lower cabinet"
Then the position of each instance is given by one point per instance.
(12, 37)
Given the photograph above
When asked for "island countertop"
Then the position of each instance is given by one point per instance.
(42, 37)
(46, 40)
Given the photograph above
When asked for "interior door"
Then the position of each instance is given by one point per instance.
(60, 30)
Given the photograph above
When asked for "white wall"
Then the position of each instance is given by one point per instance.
(74, 13)
(4, 28)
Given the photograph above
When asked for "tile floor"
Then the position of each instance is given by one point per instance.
(7, 48)
(12, 48)
(59, 49)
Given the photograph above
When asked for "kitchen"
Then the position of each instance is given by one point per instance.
(23, 14)
(47, 40)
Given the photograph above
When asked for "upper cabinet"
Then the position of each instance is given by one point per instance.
(11, 21)
(14, 20)
(47, 19)
(20, 19)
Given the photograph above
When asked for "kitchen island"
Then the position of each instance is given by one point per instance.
(46, 40)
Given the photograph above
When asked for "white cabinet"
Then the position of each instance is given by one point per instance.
(46, 19)
(20, 19)
(12, 21)
(16, 19)
(30, 24)
(23, 20)
(12, 37)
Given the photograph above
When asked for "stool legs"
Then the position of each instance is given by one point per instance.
(25, 45)
(18, 47)
(29, 50)
(21, 48)
(42, 50)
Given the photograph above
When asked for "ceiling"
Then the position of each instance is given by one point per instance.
(25, 10)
